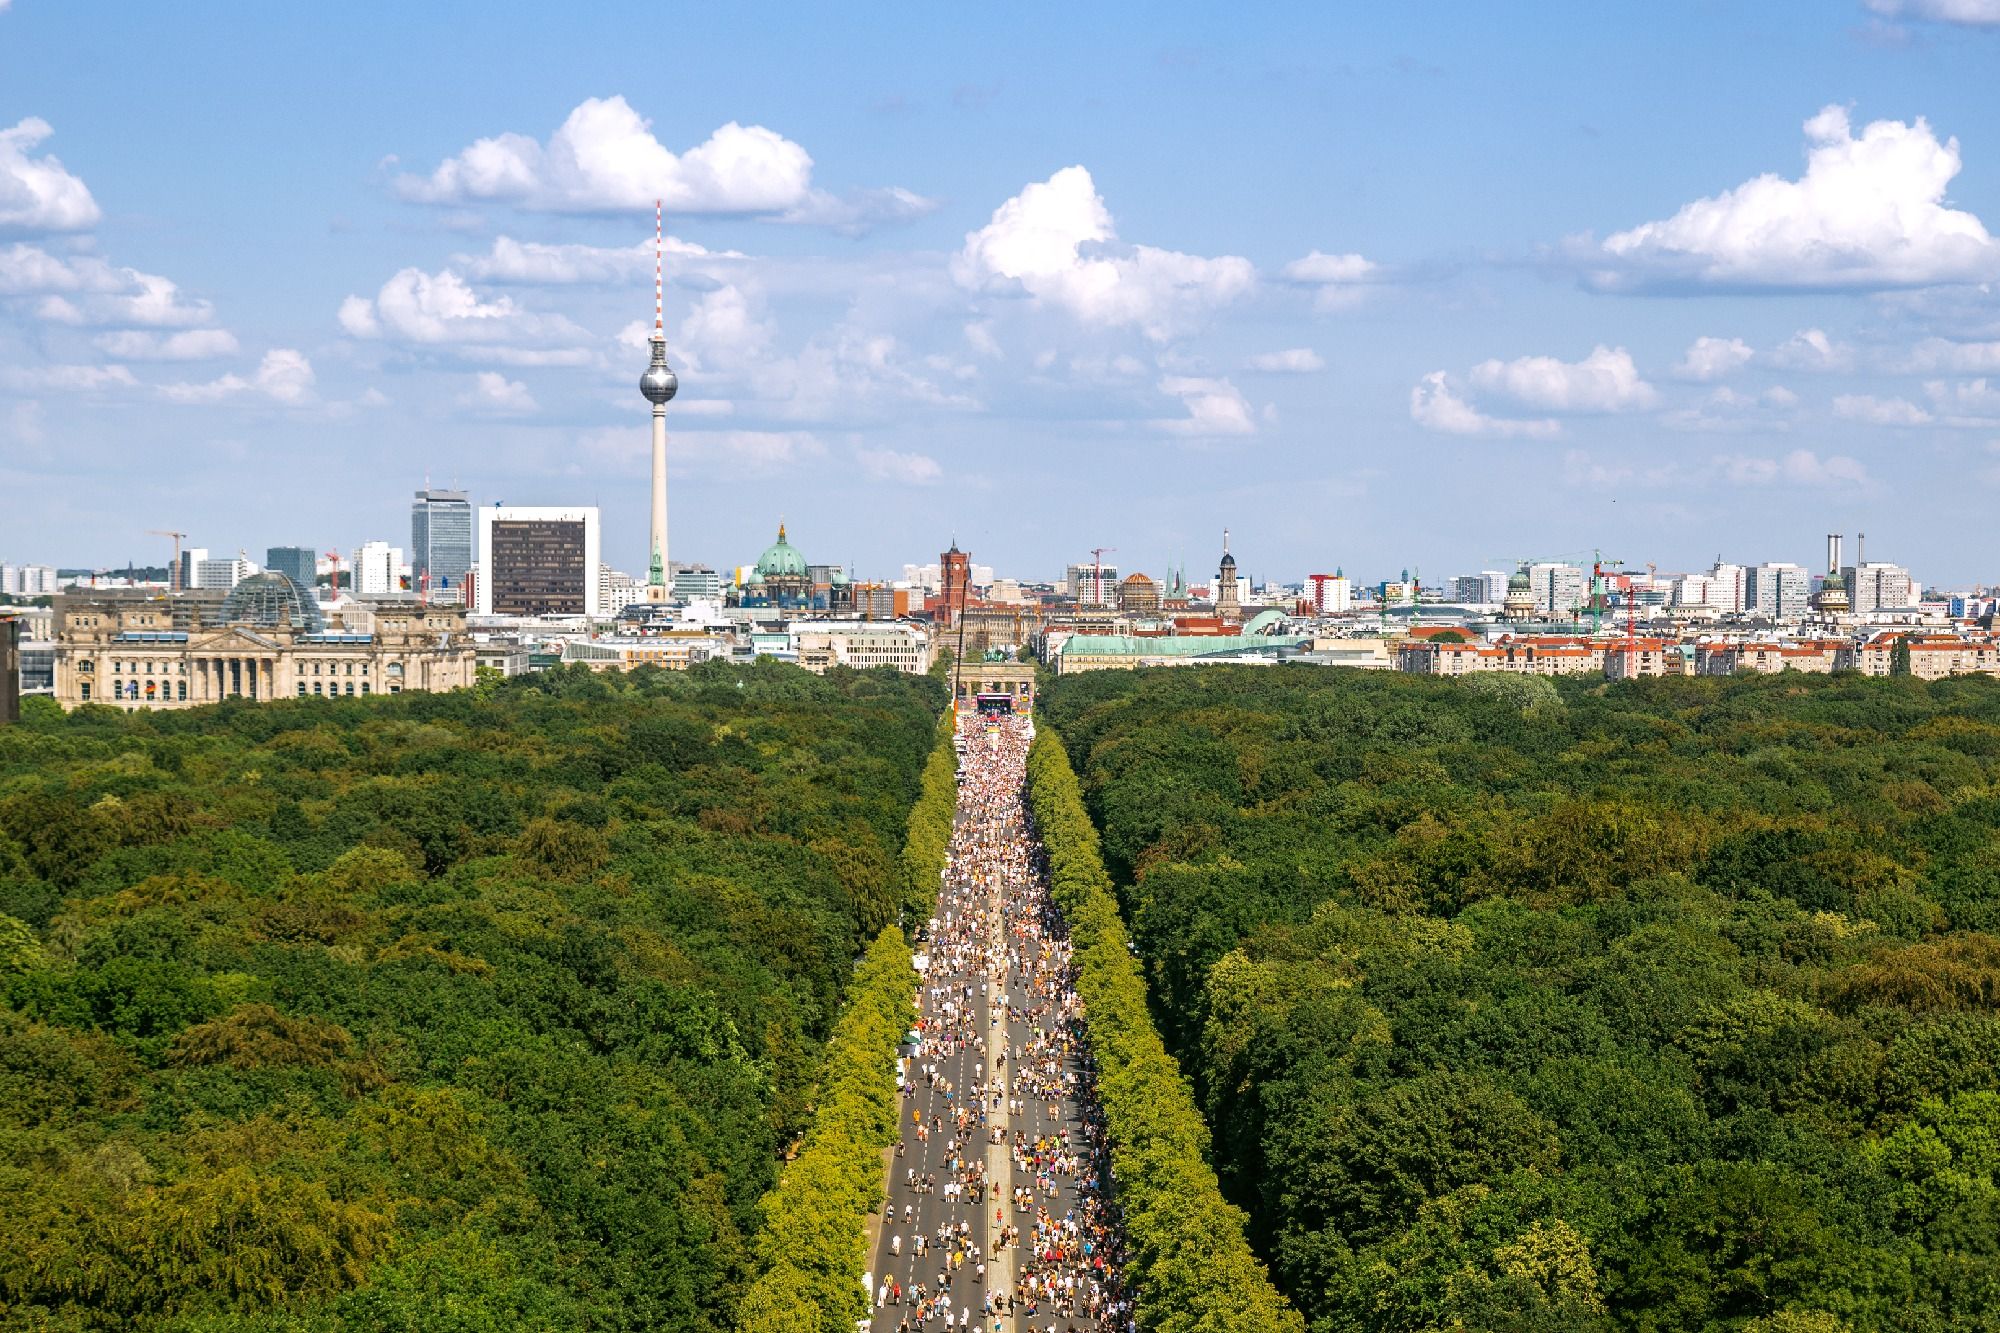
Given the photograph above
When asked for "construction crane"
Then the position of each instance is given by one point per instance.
(173, 573)
(1598, 596)
(1097, 554)
(334, 591)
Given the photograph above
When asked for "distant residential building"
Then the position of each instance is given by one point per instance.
(1879, 586)
(1632, 658)
(1528, 655)
(1724, 588)
(28, 580)
(1766, 656)
(897, 644)
(1092, 584)
(673, 651)
(378, 569)
(696, 581)
(441, 543)
(300, 564)
(1931, 656)
(1486, 588)
(210, 573)
(1559, 590)
(538, 560)
(617, 590)
(1332, 594)
(1779, 590)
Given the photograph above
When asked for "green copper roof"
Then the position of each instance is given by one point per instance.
(1176, 645)
(781, 557)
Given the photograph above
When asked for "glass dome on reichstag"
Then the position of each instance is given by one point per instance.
(269, 599)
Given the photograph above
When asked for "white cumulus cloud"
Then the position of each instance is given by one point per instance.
(1800, 467)
(1940, 354)
(68, 378)
(1291, 361)
(722, 330)
(1714, 358)
(1435, 405)
(605, 158)
(1214, 407)
(1970, 13)
(493, 392)
(907, 469)
(441, 310)
(1874, 411)
(1869, 212)
(284, 376)
(1967, 403)
(1604, 381)
(1055, 241)
(1812, 349)
(39, 193)
(1337, 280)
(87, 290)
(536, 263)
(187, 345)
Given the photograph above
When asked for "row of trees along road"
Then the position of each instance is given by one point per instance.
(1522, 1004)
(813, 1244)
(1192, 1270)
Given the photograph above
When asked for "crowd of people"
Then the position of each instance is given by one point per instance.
(1002, 1221)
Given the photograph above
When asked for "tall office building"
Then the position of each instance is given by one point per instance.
(658, 385)
(538, 560)
(440, 541)
(300, 564)
(191, 558)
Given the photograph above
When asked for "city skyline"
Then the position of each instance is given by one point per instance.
(1315, 277)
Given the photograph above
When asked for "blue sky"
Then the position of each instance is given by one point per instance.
(1373, 286)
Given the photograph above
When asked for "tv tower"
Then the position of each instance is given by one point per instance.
(659, 384)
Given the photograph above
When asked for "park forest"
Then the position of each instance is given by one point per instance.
(566, 1003)
(1516, 1004)
(484, 1012)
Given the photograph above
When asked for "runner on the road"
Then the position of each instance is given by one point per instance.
(997, 1216)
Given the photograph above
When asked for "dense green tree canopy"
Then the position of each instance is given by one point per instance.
(485, 1011)
(1555, 1005)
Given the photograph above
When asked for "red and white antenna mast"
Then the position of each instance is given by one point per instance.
(659, 270)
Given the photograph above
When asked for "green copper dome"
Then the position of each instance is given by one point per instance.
(781, 557)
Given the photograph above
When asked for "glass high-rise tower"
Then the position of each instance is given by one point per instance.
(300, 564)
(440, 540)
